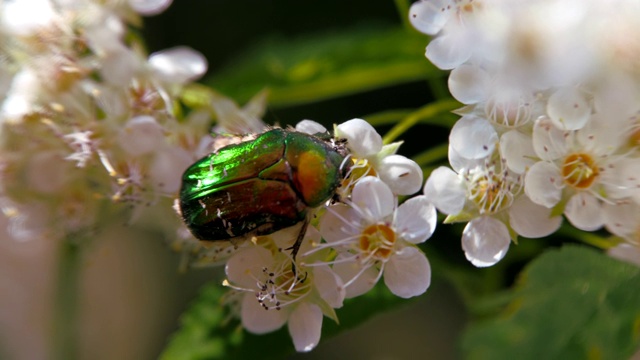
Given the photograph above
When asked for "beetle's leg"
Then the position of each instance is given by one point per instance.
(296, 246)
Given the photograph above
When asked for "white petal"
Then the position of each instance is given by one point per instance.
(429, 17)
(402, 174)
(568, 109)
(256, 319)
(408, 273)
(445, 190)
(310, 127)
(348, 270)
(416, 219)
(24, 18)
(601, 135)
(179, 64)
(532, 220)
(362, 139)
(469, 84)
(549, 142)
(517, 149)
(473, 137)
(584, 212)
(443, 52)
(167, 168)
(150, 7)
(141, 135)
(338, 223)
(305, 326)
(621, 219)
(543, 184)
(373, 197)
(245, 265)
(459, 163)
(626, 252)
(485, 241)
(329, 285)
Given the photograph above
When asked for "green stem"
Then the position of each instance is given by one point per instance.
(427, 112)
(65, 320)
(588, 238)
(432, 155)
(403, 11)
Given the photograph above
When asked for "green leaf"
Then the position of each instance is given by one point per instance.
(208, 332)
(329, 65)
(572, 303)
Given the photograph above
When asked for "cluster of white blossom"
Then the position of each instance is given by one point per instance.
(551, 118)
(89, 125)
(350, 245)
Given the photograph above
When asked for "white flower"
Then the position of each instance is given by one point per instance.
(375, 238)
(401, 174)
(275, 294)
(488, 196)
(576, 165)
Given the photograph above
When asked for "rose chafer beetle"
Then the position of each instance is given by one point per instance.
(260, 186)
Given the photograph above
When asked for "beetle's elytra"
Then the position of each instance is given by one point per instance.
(260, 186)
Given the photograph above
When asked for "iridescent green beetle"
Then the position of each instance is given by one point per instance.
(260, 186)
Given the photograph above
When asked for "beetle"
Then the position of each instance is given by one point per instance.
(260, 186)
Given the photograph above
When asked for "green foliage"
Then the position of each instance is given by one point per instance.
(209, 332)
(572, 303)
(325, 66)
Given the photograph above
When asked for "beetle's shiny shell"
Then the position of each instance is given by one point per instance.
(259, 186)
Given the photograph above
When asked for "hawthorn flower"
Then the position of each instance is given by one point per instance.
(578, 167)
(402, 175)
(374, 238)
(278, 290)
(487, 195)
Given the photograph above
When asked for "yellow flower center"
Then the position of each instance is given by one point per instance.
(378, 240)
(491, 193)
(579, 171)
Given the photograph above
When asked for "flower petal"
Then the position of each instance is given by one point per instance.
(310, 127)
(305, 325)
(549, 142)
(338, 223)
(179, 64)
(584, 211)
(373, 198)
(247, 263)
(416, 219)
(485, 241)
(473, 137)
(445, 189)
(408, 273)
(356, 279)
(626, 252)
(532, 220)
(543, 184)
(428, 16)
(329, 285)
(256, 319)
(469, 84)
(402, 174)
(443, 52)
(362, 139)
(517, 149)
(150, 7)
(568, 109)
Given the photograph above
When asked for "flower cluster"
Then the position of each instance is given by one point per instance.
(88, 123)
(550, 122)
(350, 245)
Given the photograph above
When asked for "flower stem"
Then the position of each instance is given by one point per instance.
(65, 329)
(423, 114)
